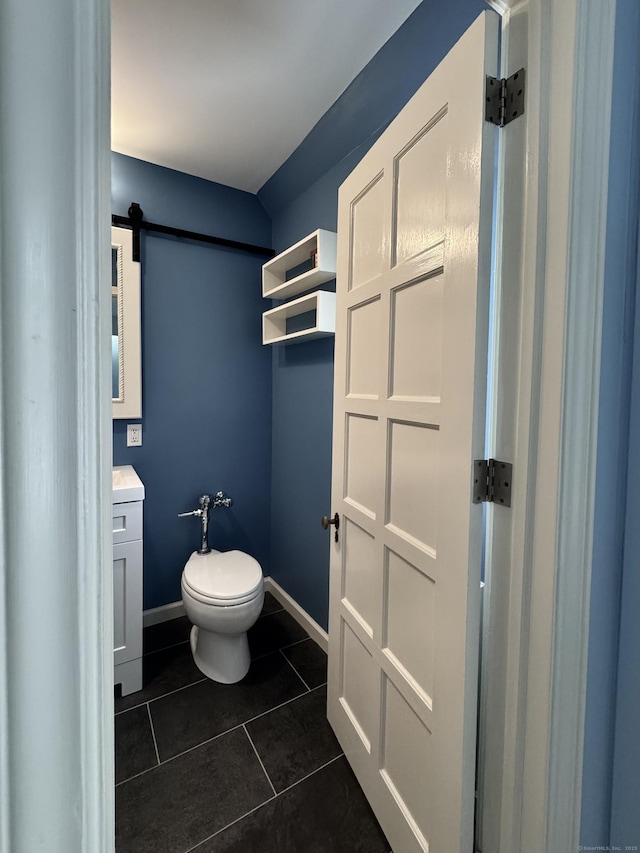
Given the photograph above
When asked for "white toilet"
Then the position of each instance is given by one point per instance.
(223, 593)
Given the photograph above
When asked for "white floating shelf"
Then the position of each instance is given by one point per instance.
(274, 322)
(274, 272)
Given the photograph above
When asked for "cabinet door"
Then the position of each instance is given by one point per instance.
(127, 601)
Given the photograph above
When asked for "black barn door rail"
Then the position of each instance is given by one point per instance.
(137, 223)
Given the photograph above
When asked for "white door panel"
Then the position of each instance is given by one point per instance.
(369, 243)
(414, 232)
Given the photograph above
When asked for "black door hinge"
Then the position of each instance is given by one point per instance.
(492, 481)
(505, 98)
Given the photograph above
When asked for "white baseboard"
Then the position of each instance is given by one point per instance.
(162, 614)
(176, 609)
(301, 616)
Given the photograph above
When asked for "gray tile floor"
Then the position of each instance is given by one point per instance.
(253, 766)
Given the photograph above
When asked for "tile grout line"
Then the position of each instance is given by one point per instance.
(161, 696)
(281, 705)
(180, 754)
(165, 648)
(287, 646)
(255, 809)
(200, 680)
(275, 793)
(275, 651)
(184, 642)
(153, 732)
(295, 670)
(271, 612)
(229, 825)
(313, 772)
(297, 642)
(220, 734)
(136, 775)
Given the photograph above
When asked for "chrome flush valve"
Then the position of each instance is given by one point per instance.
(219, 499)
(203, 514)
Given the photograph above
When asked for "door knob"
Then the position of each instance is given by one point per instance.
(326, 521)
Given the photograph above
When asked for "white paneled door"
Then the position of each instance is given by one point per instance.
(414, 240)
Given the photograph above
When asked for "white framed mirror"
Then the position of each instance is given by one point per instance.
(126, 355)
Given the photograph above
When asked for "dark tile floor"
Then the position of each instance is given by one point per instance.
(253, 766)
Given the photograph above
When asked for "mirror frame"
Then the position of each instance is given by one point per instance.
(128, 403)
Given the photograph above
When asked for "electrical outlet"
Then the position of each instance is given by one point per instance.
(134, 435)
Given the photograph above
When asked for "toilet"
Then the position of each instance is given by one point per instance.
(223, 593)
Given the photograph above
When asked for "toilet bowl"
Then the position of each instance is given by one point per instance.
(223, 594)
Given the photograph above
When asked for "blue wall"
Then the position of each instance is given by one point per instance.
(613, 451)
(206, 376)
(625, 783)
(303, 196)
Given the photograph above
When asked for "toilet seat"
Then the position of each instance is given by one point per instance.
(222, 578)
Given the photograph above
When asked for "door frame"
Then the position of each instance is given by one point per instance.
(56, 580)
(550, 244)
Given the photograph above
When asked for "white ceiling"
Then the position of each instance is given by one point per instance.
(227, 89)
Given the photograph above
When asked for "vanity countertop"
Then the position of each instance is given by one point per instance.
(127, 486)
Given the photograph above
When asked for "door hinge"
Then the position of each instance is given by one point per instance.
(492, 481)
(505, 98)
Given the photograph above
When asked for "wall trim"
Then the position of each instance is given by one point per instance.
(299, 614)
(164, 613)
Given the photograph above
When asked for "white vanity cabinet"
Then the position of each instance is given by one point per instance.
(128, 495)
